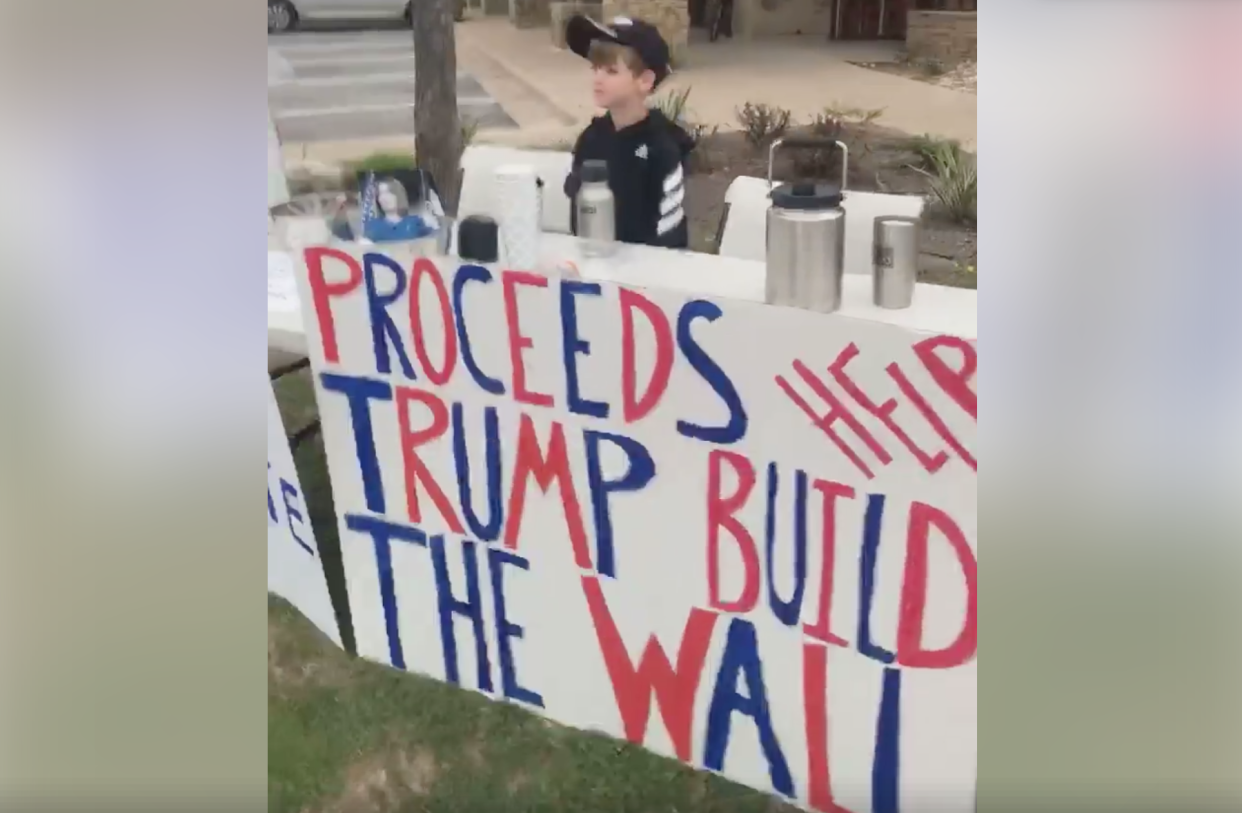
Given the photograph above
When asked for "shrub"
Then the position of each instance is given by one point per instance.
(700, 158)
(925, 147)
(672, 104)
(763, 123)
(954, 177)
(850, 126)
(469, 129)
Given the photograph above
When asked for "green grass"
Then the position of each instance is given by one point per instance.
(349, 736)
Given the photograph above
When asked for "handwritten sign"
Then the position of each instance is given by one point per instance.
(743, 536)
(294, 569)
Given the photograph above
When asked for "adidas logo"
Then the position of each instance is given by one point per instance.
(641, 152)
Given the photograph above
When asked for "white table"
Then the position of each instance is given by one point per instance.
(936, 309)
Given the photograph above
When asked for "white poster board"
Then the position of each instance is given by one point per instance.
(294, 567)
(277, 180)
(743, 536)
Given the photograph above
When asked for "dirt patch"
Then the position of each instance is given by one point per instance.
(881, 160)
(297, 660)
(383, 782)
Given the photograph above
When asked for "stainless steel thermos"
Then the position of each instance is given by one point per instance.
(806, 236)
(895, 264)
(596, 208)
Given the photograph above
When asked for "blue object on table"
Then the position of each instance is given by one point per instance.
(386, 208)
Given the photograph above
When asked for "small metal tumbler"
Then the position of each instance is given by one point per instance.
(895, 264)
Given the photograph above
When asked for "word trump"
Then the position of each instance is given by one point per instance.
(682, 521)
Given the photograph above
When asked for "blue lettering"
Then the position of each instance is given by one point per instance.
(886, 767)
(271, 504)
(471, 273)
(383, 329)
(787, 612)
(382, 534)
(574, 346)
(471, 608)
(640, 470)
(505, 629)
(872, 528)
(741, 659)
(706, 366)
(360, 392)
(490, 531)
(290, 492)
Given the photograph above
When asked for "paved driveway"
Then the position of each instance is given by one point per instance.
(336, 86)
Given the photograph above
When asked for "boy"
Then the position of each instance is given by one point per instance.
(646, 153)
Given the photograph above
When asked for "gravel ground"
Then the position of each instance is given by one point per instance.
(963, 77)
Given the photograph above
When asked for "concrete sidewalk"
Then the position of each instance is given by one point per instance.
(804, 74)
(548, 91)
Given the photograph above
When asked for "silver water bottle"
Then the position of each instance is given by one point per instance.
(806, 237)
(896, 261)
(596, 209)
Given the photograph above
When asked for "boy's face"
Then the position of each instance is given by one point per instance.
(615, 84)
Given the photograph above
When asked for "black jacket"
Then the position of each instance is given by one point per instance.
(647, 175)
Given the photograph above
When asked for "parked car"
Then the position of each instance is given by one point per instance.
(285, 15)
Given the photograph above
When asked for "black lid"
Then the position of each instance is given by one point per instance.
(594, 171)
(478, 239)
(638, 35)
(806, 197)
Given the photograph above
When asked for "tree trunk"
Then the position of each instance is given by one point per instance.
(437, 126)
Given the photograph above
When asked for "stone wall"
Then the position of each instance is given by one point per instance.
(672, 17)
(561, 12)
(947, 36)
(531, 13)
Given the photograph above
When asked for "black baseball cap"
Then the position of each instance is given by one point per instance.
(642, 36)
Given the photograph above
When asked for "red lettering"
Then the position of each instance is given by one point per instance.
(837, 411)
(814, 700)
(322, 292)
(518, 342)
(822, 628)
(546, 469)
(720, 515)
(415, 469)
(634, 406)
(438, 376)
(955, 383)
(937, 423)
(882, 411)
(674, 688)
(910, 650)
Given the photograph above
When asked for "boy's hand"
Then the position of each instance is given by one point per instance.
(573, 182)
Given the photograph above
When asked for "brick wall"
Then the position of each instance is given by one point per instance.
(948, 36)
(672, 17)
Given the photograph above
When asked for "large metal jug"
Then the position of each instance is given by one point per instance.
(806, 235)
